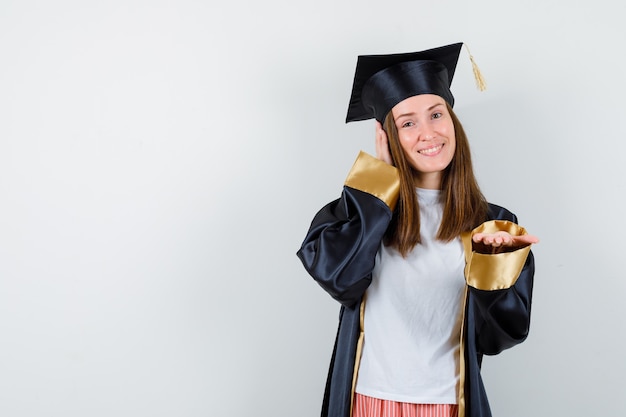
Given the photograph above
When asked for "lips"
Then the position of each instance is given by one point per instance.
(430, 151)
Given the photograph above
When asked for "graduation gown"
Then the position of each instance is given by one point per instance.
(339, 252)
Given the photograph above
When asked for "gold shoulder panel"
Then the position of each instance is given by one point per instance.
(494, 271)
(375, 177)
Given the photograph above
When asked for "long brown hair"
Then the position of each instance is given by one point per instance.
(464, 206)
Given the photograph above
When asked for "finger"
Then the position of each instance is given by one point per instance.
(382, 145)
(378, 133)
(478, 237)
(381, 148)
(378, 141)
(483, 238)
(526, 239)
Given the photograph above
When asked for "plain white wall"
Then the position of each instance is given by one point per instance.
(160, 162)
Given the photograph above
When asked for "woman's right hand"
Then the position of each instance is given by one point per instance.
(382, 144)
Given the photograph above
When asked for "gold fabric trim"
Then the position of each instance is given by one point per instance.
(375, 177)
(359, 352)
(494, 271)
(461, 398)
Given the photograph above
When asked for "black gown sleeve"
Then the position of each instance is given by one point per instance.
(340, 247)
(503, 314)
(339, 250)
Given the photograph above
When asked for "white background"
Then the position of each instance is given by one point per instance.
(160, 162)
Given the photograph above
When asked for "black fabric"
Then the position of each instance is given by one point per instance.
(382, 81)
(339, 252)
(341, 245)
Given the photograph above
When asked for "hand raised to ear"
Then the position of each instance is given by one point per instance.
(382, 145)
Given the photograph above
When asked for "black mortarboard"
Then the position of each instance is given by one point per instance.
(382, 81)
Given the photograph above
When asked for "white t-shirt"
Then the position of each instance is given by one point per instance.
(412, 318)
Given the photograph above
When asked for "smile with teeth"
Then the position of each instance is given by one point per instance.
(430, 151)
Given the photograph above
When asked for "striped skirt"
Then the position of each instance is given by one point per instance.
(365, 406)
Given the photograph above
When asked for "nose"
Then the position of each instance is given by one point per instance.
(427, 132)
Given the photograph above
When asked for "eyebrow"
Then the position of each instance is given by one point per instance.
(428, 109)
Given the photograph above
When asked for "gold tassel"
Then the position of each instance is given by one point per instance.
(480, 80)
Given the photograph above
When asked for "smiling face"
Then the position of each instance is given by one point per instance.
(426, 134)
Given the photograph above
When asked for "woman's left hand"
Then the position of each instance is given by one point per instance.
(504, 239)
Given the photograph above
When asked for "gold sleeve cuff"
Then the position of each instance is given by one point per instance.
(375, 177)
(494, 271)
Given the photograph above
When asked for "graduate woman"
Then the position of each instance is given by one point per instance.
(430, 276)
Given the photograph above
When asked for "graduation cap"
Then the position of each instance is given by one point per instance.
(382, 81)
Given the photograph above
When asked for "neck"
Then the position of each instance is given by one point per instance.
(428, 181)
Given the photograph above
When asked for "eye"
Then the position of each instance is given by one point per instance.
(408, 124)
(437, 115)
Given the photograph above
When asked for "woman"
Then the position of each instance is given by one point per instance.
(430, 276)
